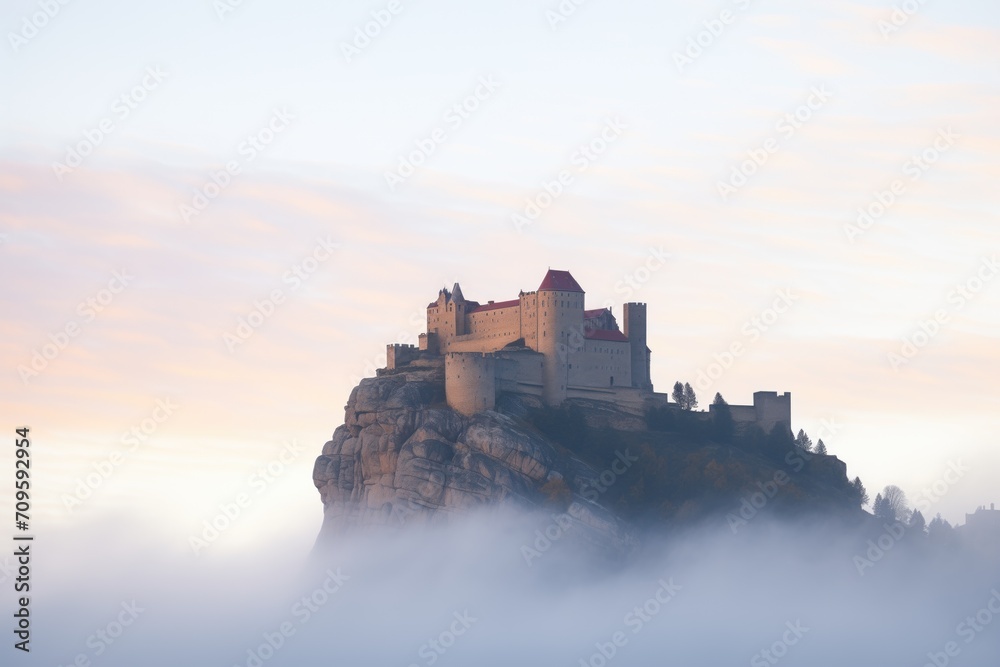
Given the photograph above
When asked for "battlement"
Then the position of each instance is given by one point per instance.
(398, 355)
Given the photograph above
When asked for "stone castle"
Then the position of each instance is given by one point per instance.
(547, 344)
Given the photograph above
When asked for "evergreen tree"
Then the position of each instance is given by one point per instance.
(939, 530)
(878, 507)
(802, 440)
(722, 419)
(859, 490)
(678, 395)
(779, 442)
(917, 523)
(820, 447)
(690, 400)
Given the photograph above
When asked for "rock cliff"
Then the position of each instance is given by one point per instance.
(403, 456)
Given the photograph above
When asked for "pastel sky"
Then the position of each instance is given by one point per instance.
(807, 112)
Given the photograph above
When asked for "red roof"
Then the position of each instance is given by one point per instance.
(605, 334)
(559, 281)
(590, 314)
(497, 305)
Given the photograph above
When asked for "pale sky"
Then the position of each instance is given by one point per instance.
(843, 105)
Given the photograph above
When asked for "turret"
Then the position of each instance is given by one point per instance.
(446, 316)
(560, 314)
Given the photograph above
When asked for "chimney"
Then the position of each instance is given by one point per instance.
(993, 506)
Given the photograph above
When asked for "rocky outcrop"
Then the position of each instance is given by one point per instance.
(403, 456)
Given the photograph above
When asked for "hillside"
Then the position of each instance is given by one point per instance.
(403, 456)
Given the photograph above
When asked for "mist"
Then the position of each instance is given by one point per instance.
(503, 587)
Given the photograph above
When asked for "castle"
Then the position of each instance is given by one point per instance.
(982, 529)
(547, 344)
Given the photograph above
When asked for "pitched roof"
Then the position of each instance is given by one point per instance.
(605, 334)
(596, 312)
(559, 281)
(496, 305)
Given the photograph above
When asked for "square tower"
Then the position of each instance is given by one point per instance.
(634, 315)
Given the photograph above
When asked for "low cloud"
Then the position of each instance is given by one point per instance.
(462, 594)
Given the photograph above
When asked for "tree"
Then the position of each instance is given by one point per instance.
(895, 505)
(690, 400)
(779, 442)
(802, 440)
(678, 394)
(752, 438)
(939, 530)
(878, 507)
(722, 419)
(660, 418)
(859, 491)
(820, 447)
(917, 522)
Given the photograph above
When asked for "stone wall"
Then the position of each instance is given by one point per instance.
(598, 362)
(742, 414)
(496, 324)
(772, 407)
(519, 371)
(397, 355)
(470, 381)
(473, 343)
(634, 315)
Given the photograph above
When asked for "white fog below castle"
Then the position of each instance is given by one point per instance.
(465, 594)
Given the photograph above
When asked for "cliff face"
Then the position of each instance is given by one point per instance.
(403, 456)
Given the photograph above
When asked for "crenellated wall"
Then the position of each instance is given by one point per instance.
(397, 355)
(772, 408)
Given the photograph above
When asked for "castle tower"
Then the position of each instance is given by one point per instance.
(773, 408)
(446, 317)
(470, 381)
(634, 315)
(560, 316)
